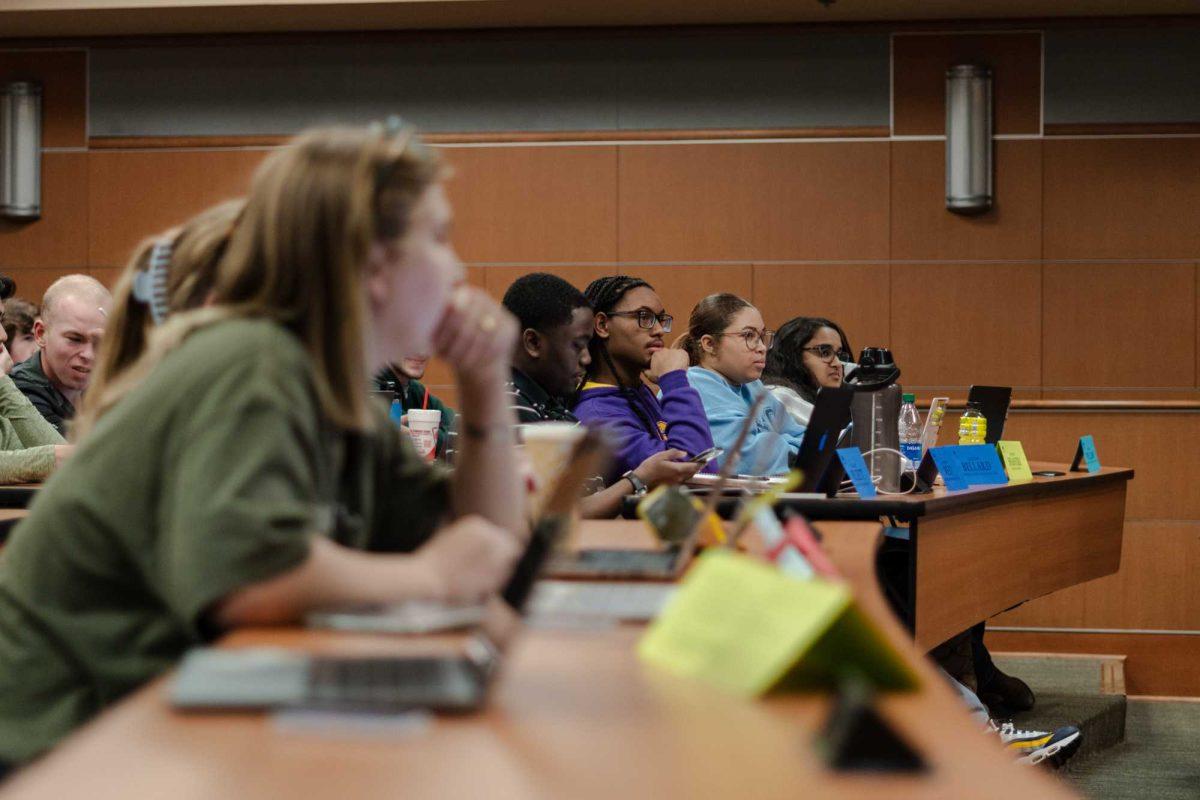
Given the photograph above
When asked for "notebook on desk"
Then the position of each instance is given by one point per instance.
(255, 679)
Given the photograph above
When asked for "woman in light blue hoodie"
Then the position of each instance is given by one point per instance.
(727, 344)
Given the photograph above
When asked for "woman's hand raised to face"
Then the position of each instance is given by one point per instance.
(469, 559)
(476, 336)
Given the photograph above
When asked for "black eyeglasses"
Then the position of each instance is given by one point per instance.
(647, 318)
(754, 338)
(826, 352)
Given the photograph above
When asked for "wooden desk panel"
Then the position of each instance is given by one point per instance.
(976, 563)
(573, 715)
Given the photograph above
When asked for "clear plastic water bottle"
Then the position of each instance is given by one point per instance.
(910, 431)
(972, 426)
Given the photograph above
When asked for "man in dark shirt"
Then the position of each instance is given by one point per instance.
(68, 333)
(403, 381)
(549, 364)
(552, 353)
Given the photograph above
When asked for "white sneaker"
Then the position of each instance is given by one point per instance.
(1034, 747)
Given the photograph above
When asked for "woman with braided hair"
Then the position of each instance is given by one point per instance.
(628, 344)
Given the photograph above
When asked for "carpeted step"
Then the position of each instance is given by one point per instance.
(1087, 692)
(1101, 718)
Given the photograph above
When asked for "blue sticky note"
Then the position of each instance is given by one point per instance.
(980, 464)
(856, 469)
(946, 459)
(1089, 453)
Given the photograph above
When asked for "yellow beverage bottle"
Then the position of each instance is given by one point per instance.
(972, 426)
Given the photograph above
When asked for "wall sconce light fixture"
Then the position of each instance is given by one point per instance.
(969, 139)
(21, 150)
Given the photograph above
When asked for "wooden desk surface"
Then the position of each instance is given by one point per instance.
(908, 507)
(574, 714)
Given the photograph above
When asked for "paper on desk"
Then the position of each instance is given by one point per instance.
(742, 624)
(1015, 463)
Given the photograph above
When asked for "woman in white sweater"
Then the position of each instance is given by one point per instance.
(809, 353)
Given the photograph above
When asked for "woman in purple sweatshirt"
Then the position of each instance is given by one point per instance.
(628, 342)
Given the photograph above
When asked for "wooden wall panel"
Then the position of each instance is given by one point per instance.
(106, 275)
(1159, 446)
(32, 283)
(1149, 591)
(1163, 664)
(856, 296)
(438, 374)
(1121, 198)
(961, 324)
(534, 204)
(1087, 393)
(919, 64)
(497, 279)
(136, 194)
(682, 287)
(748, 202)
(59, 239)
(1097, 318)
(62, 74)
(922, 228)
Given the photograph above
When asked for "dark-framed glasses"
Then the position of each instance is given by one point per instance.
(753, 338)
(646, 318)
(827, 352)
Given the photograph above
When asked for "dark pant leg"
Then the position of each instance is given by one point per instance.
(985, 669)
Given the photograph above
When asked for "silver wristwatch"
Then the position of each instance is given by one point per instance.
(638, 486)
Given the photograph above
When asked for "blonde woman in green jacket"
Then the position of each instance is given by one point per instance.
(237, 472)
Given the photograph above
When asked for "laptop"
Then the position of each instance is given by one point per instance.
(993, 402)
(654, 565)
(608, 601)
(830, 416)
(262, 678)
(623, 564)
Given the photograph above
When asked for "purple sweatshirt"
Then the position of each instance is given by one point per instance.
(679, 417)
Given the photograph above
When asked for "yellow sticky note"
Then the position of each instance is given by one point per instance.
(741, 624)
(1015, 464)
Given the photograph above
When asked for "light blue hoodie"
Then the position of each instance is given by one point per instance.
(774, 437)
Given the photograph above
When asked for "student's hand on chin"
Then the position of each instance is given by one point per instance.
(469, 559)
(476, 336)
(666, 360)
(667, 468)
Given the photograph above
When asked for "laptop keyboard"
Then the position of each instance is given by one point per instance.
(628, 563)
(340, 682)
(620, 601)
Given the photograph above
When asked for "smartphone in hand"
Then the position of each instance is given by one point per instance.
(707, 456)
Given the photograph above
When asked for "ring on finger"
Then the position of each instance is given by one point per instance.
(487, 323)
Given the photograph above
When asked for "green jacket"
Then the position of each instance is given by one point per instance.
(214, 473)
(27, 440)
(413, 394)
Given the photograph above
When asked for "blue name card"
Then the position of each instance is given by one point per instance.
(1087, 448)
(946, 460)
(856, 470)
(981, 464)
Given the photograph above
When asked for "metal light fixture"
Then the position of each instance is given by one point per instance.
(968, 139)
(21, 150)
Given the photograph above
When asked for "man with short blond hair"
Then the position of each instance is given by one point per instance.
(74, 312)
